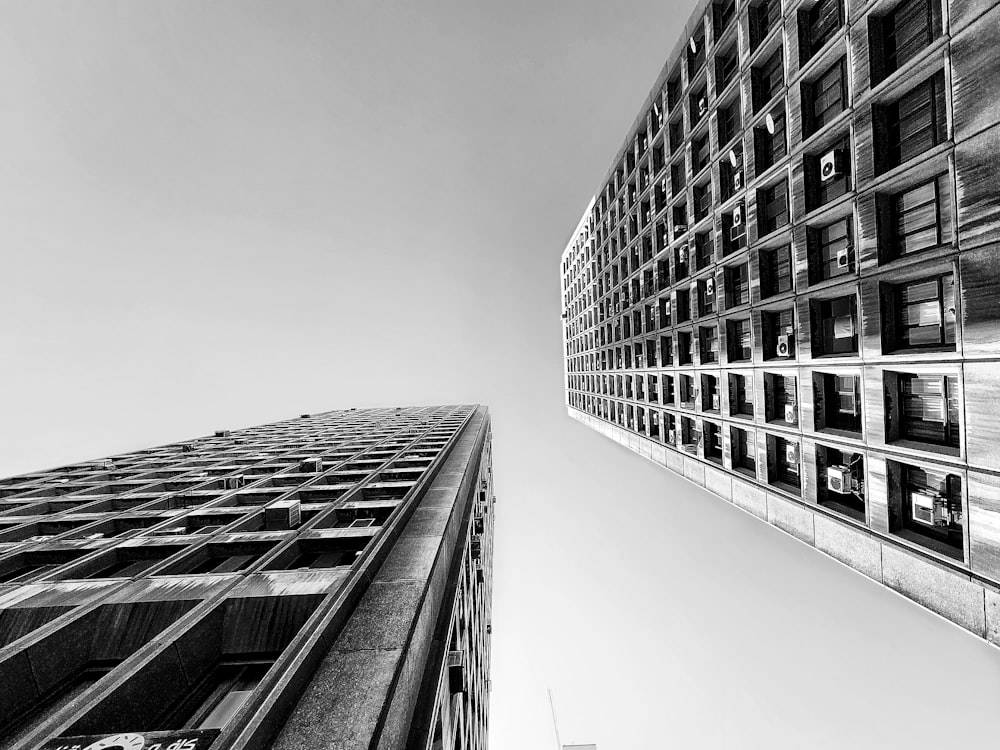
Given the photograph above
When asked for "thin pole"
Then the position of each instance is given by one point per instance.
(555, 723)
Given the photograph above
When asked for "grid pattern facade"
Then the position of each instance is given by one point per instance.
(786, 288)
(315, 582)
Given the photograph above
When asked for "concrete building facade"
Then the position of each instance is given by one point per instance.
(314, 583)
(787, 287)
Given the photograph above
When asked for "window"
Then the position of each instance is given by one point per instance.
(775, 271)
(925, 507)
(827, 174)
(676, 133)
(738, 340)
(729, 121)
(841, 481)
(834, 326)
(926, 411)
(818, 25)
(666, 352)
(772, 208)
(783, 464)
(713, 442)
(723, 14)
(217, 697)
(770, 143)
(685, 354)
(919, 314)
(830, 250)
(674, 90)
(740, 395)
(701, 153)
(703, 250)
(680, 219)
(709, 343)
(902, 34)
(764, 17)
(824, 98)
(668, 389)
(710, 393)
(683, 305)
(734, 233)
(727, 65)
(743, 450)
(837, 402)
(766, 80)
(696, 53)
(730, 177)
(131, 561)
(319, 559)
(699, 106)
(690, 436)
(737, 280)
(778, 333)
(780, 401)
(916, 219)
(688, 392)
(702, 201)
(912, 125)
(677, 178)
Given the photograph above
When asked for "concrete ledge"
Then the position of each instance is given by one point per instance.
(849, 546)
(751, 499)
(791, 518)
(719, 482)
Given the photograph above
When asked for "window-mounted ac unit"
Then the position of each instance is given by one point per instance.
(791, 453)
(682, 254)
(838, 479)
(671, 436)
(832, 164)
(709, 287)
(738, 180)
(929, 509)
(738, 216)
(790, 413)
(784, 347)
(843, 258)
(679, 229)
(715, 400)
(702, 106)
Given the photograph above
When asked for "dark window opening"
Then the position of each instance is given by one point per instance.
(824, 98)
(837, 402)
(775, 271)
(830, 250)
(740, 395)
(834, 326)
(743, 451)
(841, 481)
(925, 507)
(772, 208)
(919, 314)
(778, 334)
(912, 125)
(766, 80)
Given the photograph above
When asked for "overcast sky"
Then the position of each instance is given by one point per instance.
(217, 214)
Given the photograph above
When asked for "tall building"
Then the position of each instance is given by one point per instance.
(314, 583)
(787, 287)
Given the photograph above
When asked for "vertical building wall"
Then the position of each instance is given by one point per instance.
(288, 584)
(787, 288)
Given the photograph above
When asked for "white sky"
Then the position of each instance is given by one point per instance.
(217, 214)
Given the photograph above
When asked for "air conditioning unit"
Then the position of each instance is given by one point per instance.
(791, 453)
(715, 400)
(838, 479)
(702, 106)
(784, 348)
(671, 436)
(738, 216)
(790, 413)
(233, 483)
(679, 229)
(710, 286)
(283, 515)
(682, 254)
(832, 164)
(693, 45)
(843, 258)
(929, 509)
(738, 180)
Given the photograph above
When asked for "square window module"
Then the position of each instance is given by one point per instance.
(780, 399)
(698, 101)
(723, 14)
(925, 507)
(923, 408)
(713, 441)
(734, 230)
(837, 402)
(676, 134)
(706, 296)
(912, 125)
(834, 326)
(766, 80)
(674, 90)
(772, 208)
(770, 143)
(840, 484)
(740, 395)
(824, 98)
(696, 53)
(775, 271)
(683, 305)
(701, 153)
(830, 250)
(685, 350)
(710, 397)
(783, 464)
(899, 36)
(702, 201)
(708, 341)
(778, 333)
(666, 352)
(678, 178)
(737, 282)
(742, 450)
(919, 314)
(731, 174)
(817, 26)
(688, 391)
(738, 346)
(703, 250)
(827, 174)
(690, 435)
(915, 219)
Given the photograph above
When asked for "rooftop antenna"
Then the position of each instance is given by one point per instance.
(555, 723)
